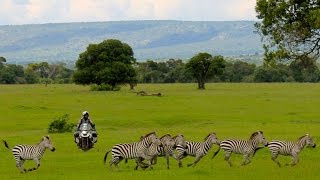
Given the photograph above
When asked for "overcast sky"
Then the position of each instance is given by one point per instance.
(56, 11)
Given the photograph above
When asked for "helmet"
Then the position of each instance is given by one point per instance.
(85, 113)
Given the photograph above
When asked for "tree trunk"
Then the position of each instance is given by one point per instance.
(201, 84)
(132, 86)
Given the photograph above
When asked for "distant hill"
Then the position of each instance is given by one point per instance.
(149, 39)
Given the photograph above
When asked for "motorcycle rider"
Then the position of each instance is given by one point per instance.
(85, 119)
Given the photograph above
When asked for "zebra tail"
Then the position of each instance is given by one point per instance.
(6, 144)
(105, 157)
(216, 153)
(257, 149)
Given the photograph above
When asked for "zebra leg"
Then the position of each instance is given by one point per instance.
(274, 158)
(139, 162)
(19, 165)
(198, 157)
(227, 157)
(154, 160)
(180, 157)
(294, 159)
(167, 157)
(38, 164)
(246, 160)
(115, 161)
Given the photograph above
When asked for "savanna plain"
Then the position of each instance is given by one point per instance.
(282, 111)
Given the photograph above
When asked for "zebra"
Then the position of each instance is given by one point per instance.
(23, 152)
(152, 151)
(132, 150)
(197, 149)
(166, 149)
(245, 147)
(289, 148)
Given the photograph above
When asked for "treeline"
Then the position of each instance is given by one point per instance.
(33, 73)
(171, 71)
(175, 71)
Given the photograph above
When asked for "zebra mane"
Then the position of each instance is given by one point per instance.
(254, 134)
(165, 135)
(177, 136)
(149, 134)
(302, 137)
(209, 135)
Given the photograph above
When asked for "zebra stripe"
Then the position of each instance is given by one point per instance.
(132, 150)
(196, 149)
(245, 147)
(289, 148)
(28, 152)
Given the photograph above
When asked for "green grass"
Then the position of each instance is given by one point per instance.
(281, 111)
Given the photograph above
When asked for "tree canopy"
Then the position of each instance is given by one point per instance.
(203, 66)
(109, 62)
(290, 28)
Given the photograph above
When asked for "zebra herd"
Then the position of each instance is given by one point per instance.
(149, 147)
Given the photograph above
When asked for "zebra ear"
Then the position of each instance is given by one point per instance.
(46, 137)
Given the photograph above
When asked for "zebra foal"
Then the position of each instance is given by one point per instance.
(24, 152)
(196, 149)
(289, 148)
(245, 147)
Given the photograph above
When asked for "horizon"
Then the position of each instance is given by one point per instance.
(74, 22)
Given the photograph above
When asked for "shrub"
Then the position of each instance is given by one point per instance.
(61, 125)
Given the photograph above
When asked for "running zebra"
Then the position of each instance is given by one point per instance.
(151, 152)
(245, 147)
(166, 150)
(197, 149)
(289, 148)
(132, 150)
(27, 152)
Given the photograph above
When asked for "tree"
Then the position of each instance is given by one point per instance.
(304, 69)
(290, 28)
(203, 66)
(2, 60)
(109, 62)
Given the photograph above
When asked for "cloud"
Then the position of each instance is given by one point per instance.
(50, 11)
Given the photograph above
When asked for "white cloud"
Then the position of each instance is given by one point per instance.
(48, 11)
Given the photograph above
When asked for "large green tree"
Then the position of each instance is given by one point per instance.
(290, 28)
(2, 60)
(109, 62)
(203, 66)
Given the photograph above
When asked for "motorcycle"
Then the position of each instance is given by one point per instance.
(87, 136)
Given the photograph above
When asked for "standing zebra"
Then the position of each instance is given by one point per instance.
(289, 148)
(132, 150)
(197, 149)
(245, 147)
(27, 152)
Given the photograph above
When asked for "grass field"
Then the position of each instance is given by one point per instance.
(281, 111)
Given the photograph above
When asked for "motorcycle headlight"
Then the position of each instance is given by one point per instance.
(84, 132)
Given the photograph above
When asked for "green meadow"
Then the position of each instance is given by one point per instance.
(282, 111)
